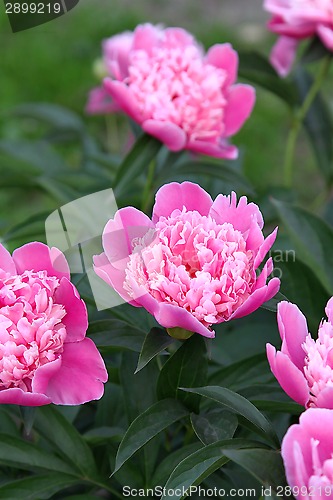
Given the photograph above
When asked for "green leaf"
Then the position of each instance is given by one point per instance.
(255, 68)
(196, 467)
(37, 487)
(146, 426)
(28, 229)
(65, 438)
(143, 152)
(271, 305)
(240, 405)
(187, 367)
(279, 406)
(247, 370)
(101, 435)
(52, 114)
(316, 50)
(318, 124)
(20, 454)
(114, 334)
(216, 425)
(312, 239)
(156, 341)
(265, 465)
(28, 415)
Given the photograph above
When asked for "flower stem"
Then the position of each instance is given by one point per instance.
(298, 119)
(149, 183)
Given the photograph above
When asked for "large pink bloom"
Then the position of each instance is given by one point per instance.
(307, 451)
(44, 355)
(304, 367)
(162, 79)
(295, 20)
(194, 264)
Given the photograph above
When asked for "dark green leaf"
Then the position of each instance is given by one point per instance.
(28, 415)
(312, 239)
(37, 487)
(66, 439)
(52, 114)
(215, 425)
(143, 152)
(240, 405)
(315, 50)
(279, 406)
(187, 367)
(271, 305)
(247, 370)
(101, 435)
(147, 425)
(113, 333)
(156, 341)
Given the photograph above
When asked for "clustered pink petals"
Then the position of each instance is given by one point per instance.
(295, 20)
(307, 452)
(163, 80)
(44, 355)
(194, 264)
(304, 366)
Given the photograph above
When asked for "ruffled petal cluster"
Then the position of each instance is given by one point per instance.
(163, 80)
(194, 264)
(44, 355)
(304, 366)
(295, 20)
(307, 451)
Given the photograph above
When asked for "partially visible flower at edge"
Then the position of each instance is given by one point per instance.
(194, 264)
(307, 452)
(295, 20)
(162, 79)
(304, 366)
(44, 354)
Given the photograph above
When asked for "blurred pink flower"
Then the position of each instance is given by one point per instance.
(304, 367)
(194, 264)
(295, 20)
(44, 355)
(307, 452)
(188, 100)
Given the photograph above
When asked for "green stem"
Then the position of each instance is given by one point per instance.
(299, 118)
(149, 183)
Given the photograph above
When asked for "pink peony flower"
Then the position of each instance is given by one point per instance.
(44, 355)
(304, 366)
(307, 452)
(194, 264)
(295, 20)
(188, 100)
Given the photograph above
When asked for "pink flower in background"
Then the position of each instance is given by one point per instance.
(304, 366)
(307, 452)
(44, 354)
(295, 20)
(188, 100)
(194, 264)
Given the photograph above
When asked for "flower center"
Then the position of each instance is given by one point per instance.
(31, 332)
(194, 263)
(318, 368)
(175, 84)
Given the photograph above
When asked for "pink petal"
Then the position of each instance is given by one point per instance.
(81, 376)
(264, 248)
(16, 396)
(257, 298)
(116, 51)
(325, 398)
(317, 423)
(146, 37)
(283, 55)
(100, 102)
(76, 319)
(325, 33)
(43, 374)
(177, 38)
(6, 261)
(290, 378)
(329, 310)
(174, 195)
(266, 271)
(170, 134)
(293, 330)
(241, 100)
(123, 97)
(217, 150)
(39, 257)
(241, 216)
(225, 57)
(118, 234)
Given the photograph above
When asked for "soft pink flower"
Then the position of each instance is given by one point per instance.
(163, 80)
(307, 452)
(295, 20)
(304, 367)
(194, 264)
(44, 354)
